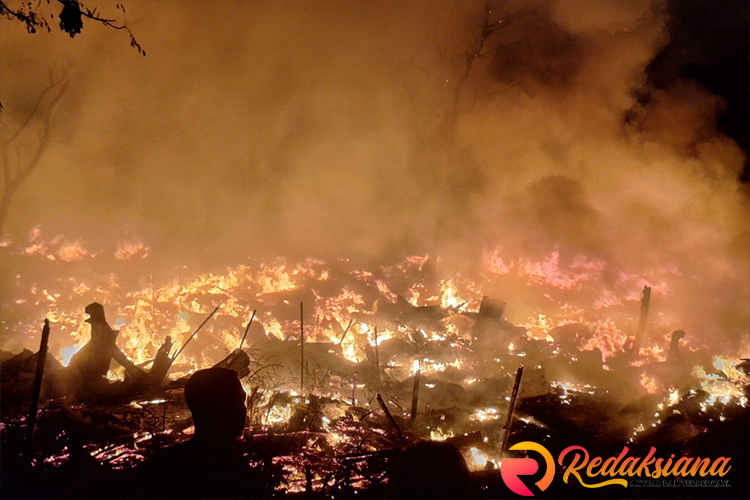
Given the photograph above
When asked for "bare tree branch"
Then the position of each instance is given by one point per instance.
(70, 18)
(33, 111)
(13, 181)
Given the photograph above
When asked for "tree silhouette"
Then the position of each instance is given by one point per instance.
(15, 171)
(39, 16)
(453, 64)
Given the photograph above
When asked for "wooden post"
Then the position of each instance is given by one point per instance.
(639, 333)
(511, 407)
(37, 388)
(415, 392)
(301, 350)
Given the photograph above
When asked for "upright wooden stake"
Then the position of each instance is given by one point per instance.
(645, 303)
(415, 392)
(37, 388)
(247, 329)
(511, 407)
(301, 349)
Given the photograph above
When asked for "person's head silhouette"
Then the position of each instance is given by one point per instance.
(217, 401)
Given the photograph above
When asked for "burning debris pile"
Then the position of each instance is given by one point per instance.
(343, 367)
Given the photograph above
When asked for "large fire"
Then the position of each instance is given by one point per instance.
(341, 298)
(403, 321)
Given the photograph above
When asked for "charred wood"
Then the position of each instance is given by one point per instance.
(642, 320)
(36, 392)
(511, 408)
(162, 361)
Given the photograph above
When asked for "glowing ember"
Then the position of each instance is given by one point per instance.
(440, 435)
(485, 414)
(478, 460)
(650, 384)
(725, 386)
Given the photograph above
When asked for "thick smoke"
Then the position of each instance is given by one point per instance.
(318, 129)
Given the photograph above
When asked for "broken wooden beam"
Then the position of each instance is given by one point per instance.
(132, 371)
(341, 341)
(194, 333)
(390, 417)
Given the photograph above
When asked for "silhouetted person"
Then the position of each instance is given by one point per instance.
(432, 469)
(206, 466)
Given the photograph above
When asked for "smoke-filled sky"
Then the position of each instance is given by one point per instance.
(319, 128)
